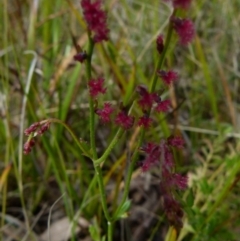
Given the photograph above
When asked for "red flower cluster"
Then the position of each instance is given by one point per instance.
(105, 112)
(153, 154)
(173, 210)
(124, 120)
(146, 99)
(185, 29)
(168, 77)
(32, 128)
(145, 121)
(161, 154)
(96, 19)
(28, 146)
(163, 106)
(35, 129)
(96, 87)
(175, 141)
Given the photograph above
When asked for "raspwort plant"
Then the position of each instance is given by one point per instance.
(146, 100)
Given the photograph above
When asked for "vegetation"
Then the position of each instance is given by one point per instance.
(54, 192)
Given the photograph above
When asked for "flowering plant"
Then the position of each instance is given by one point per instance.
(148, 102)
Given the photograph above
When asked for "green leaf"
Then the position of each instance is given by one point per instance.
(104, 238)
(122, 211)
(205, 187)
(94, 233)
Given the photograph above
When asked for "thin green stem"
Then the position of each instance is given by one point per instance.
(98, 172)
(91, 103)
(110, 147)
(110, 231)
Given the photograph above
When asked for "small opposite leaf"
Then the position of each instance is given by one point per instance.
(95, 231)
(122, 212)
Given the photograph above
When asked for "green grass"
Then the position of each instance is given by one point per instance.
(37, 49)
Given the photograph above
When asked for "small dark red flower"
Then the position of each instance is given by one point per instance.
(37, 128)
(28, 146)
(167, 157)
(146, 99)
(124, 120)
(105, 113)
(173, 210)
(160, 45)
(176, 141)
(179, 181)
(185, 30)
(168, 77)
(148, 147)
(80, 56)
(96, 19)
(96, 87)
(145, 121)
(32, 128)
(150, 161)
(163, 106)
(141, 90)
(43, 128)
(153, 156)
